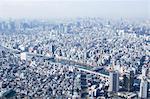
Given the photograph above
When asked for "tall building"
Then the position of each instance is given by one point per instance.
(114, 81)
(143, 94)
(84, 86)
(128, 80)
(76, 87)
(53, 50)
(144, 71)
(23, 56)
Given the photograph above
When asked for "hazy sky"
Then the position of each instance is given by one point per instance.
(75, 8)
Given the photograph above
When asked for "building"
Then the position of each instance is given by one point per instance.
(84, 86)
(127, 95)
(114, 81)
(143, 94)
(128, 81)
(144, 71)
(53, 50)
(23, 56)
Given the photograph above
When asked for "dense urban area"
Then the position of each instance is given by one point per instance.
(80, 58)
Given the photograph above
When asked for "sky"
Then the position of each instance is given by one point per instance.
(74, 8)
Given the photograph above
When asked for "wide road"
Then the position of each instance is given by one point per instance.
(79, 65)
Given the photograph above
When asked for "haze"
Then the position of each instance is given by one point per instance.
(74, 8)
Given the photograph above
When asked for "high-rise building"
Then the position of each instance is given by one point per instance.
(53, 50)
(76, 87)
(144, 71)
(114, 81)
(23, 56)
(84, 86)
(128, 80)
(143, 94)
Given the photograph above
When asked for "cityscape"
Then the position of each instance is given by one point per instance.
(82, 56)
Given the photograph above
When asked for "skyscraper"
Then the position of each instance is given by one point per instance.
(53, 50)
(114, 81)
(84, 86)
(144, 71)
(128, 80)
(143, 94)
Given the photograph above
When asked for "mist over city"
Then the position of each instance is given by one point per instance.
(74, 49)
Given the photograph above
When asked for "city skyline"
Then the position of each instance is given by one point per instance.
(75, 49)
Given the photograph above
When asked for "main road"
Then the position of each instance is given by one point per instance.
(81, 66)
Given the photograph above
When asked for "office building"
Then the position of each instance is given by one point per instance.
(84, 86)
(128, 80)
(144, 71)
(114, 81)
(23, 56)
(143, 94)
